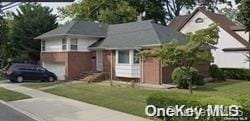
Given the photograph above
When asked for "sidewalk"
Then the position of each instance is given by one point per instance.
(50, 107)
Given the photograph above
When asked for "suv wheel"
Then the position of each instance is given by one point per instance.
(51, 79)
(19, 79)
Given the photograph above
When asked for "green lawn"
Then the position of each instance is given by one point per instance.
(7, 95)
(39, 85)
(133, 100)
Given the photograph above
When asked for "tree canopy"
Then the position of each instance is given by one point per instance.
(244, 13)
(30, 21)
(107, 11)
(120, 11)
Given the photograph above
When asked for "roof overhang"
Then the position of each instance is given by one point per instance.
(69, 35)
(114, 48)
(242, 49)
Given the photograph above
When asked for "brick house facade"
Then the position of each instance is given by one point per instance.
(70, 50)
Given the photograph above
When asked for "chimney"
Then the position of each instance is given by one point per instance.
(140, 17)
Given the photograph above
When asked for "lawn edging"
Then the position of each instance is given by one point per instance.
(10, 95)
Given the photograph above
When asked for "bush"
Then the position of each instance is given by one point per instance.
(241, 74)
(180, 77)
(1, 75)
(163, 100)
(216, 73)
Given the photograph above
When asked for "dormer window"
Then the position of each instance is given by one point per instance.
(199, 20)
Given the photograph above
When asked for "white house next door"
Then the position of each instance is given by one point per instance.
(99, 61)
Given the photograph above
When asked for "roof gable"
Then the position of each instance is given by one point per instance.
(220, 20)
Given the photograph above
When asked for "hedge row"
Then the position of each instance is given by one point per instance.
(241, 74)
(163, 100)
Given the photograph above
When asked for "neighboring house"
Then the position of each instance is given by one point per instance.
(233, 44)
(80, 47)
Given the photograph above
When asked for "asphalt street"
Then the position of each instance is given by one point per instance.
(9, 114)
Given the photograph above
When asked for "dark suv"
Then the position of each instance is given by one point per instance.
(20, 72)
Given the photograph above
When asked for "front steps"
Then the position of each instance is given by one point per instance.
(93, 76)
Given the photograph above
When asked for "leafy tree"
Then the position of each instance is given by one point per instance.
(230, 13)
(166, 10)
(30, 21)
(107, 11)
(244, 13)
(183, 56)
(153, 9)
(3, 37)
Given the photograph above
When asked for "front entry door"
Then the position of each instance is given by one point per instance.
(99, 62)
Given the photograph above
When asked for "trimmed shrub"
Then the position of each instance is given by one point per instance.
(162, 100)
(199, 80)
(180, 77)
(216, 73)
(240, 74)
(1, 75)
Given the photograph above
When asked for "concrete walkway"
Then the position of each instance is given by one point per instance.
(49, 107)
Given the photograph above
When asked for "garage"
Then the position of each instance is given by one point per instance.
(57, 68)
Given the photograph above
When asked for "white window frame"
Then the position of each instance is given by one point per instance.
(118, 55)
(135, 57)
(73, 44)
(64, 44)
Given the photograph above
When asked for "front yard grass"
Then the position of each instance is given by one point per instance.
(133, 100)
(8, 95)
(39, 85)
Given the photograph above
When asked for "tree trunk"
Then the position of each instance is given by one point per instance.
(190, 87)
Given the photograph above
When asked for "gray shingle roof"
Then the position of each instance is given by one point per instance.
(137, 34)
(78, 28)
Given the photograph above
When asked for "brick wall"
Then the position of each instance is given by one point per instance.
(75, 62)
(79, 62)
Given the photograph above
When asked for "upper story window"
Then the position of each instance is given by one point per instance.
(43, 45)
(73, 44)
(199, 20)
(136, 58)
(64, 44)
(123, 56)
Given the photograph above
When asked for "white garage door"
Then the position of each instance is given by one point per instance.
(57, 68)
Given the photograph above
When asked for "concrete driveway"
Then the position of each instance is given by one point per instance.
(49, 107)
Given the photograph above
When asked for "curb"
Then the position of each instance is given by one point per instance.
(32, 116)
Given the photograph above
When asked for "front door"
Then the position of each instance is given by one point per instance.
(99, 62)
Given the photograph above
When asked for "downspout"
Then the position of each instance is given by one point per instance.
(161, 72)
(142, 71)
(111, 66)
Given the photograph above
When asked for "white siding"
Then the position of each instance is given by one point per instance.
(127, 70)
(55, 44)
(130, 70)
(84, 43)
(191, 26)
(229, 59)
(243, 34)
(221, 58)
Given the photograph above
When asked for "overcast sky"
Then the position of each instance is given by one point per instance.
(55, 5)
